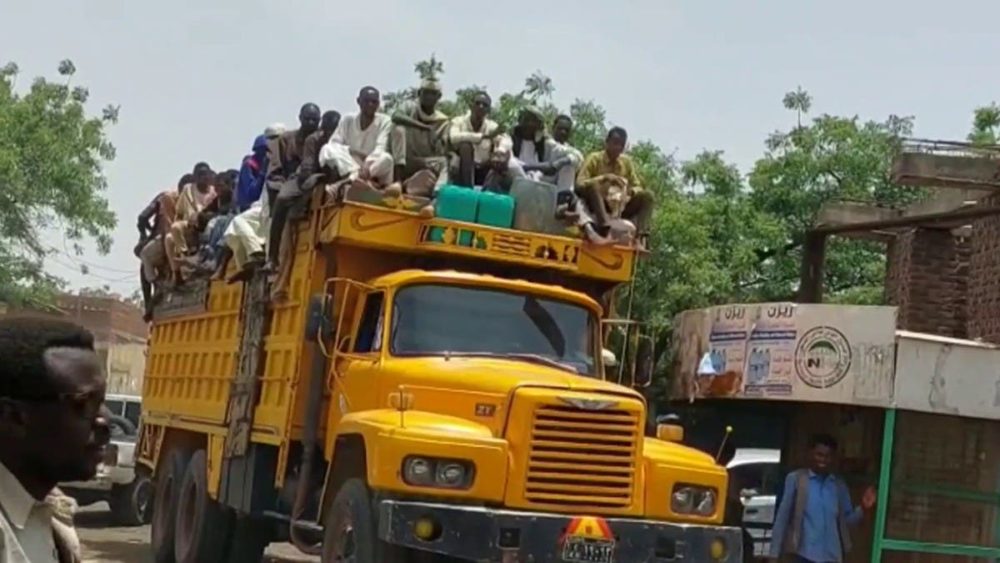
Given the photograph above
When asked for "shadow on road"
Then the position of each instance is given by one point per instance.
(116, 550)
(100, 519)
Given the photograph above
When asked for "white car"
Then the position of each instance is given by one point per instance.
(758, 472)
(128, 493)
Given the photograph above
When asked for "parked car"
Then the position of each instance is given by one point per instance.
(758, 472)
(129, 493)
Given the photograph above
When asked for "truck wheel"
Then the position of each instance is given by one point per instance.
(250, 538)
(130, 503)
(168, 482)
(202, 525)
(350, 530)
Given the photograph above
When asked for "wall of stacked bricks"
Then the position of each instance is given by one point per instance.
(927, 278)
(984, 276)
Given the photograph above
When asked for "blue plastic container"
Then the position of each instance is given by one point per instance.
(457, 204)
(495, 210)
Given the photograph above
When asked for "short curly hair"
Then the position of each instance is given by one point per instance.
(23, 342)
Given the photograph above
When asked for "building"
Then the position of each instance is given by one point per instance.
(119, 332)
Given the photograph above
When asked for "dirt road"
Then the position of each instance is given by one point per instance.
(103, 543)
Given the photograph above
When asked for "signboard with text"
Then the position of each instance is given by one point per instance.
(786, 351)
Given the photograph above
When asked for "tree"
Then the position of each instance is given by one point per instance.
(986, 125)
(51, 176)
(833, 158)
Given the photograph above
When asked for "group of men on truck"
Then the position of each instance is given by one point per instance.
(211, 219)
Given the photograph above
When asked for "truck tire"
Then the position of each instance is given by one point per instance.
(203, 525)
(350, 534)
(130, 504)
(167, 487)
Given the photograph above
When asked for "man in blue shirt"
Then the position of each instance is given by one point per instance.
(811, 524)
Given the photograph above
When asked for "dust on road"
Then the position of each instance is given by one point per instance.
(102, 542)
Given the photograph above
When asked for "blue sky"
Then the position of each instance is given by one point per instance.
(197, 80)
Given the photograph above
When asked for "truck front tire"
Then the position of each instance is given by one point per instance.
(168, 483)
(351, 532)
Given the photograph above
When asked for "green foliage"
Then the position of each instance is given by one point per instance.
(51, 176)
(986, 125)
(833, 158)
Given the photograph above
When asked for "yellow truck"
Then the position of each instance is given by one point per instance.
(430, 390)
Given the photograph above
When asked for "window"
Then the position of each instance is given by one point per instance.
(370, 329)
(133, 411)
(761, 477)
(116, 407)
(436, 320)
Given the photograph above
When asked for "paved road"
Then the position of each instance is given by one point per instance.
(103, 543)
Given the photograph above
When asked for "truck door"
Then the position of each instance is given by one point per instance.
(358, 357)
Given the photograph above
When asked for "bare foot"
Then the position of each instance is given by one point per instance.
(427, 211)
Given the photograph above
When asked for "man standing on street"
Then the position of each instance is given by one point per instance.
(52, 430)
(811, 525)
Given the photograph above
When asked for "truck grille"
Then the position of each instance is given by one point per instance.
(582, 458)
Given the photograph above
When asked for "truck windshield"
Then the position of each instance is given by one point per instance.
(432, 320)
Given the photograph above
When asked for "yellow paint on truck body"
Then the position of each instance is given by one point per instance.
(541, 437)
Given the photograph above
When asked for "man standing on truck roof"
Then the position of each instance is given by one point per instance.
(154, 222)
(52, 430)
(359, 148)
(283, 160)
(811, 524)
(417, 141)
(609, 184)
(472, 140)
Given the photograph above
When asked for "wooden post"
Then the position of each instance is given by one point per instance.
(811, 277)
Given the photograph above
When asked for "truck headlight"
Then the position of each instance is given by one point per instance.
(441, 473)
(691, 499)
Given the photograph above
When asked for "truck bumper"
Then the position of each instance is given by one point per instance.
(485, 534)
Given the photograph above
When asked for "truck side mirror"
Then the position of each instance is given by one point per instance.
(643, 362)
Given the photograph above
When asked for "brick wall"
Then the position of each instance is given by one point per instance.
(927, 277)
(984, 277)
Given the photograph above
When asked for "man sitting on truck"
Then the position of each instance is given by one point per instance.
(359, 148)
(472, 140)
(244, 237)
(417, 141)
(283, 160)
(183, 234)
(291, 204)
(564, 159)
(609, 185)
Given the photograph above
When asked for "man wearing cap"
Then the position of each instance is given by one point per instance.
(417, 140)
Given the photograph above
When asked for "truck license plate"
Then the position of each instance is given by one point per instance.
(584, 550)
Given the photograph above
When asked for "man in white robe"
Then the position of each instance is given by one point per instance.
(359, 148)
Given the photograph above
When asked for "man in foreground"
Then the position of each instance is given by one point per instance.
(52, 429)
(811, 524)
